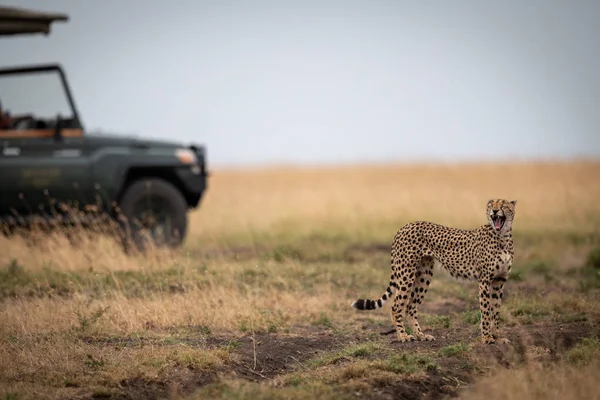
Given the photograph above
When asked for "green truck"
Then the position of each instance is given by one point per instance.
(51, 168)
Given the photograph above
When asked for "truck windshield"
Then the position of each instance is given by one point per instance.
(38, 97)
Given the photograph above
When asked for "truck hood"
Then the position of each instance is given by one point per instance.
(105, 140)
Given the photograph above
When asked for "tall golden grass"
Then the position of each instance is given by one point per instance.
(359, 201)
(555, 196)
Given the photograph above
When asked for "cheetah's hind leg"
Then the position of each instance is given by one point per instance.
(397, 313)
(422, 280)
(405, 277)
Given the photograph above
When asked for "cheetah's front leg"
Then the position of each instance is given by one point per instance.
(497, 291)
(485, 307)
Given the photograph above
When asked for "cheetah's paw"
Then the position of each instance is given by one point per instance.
(425, 338)
(404, 338)
(488, 339)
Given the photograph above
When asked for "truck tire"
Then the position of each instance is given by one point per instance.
(152, 204)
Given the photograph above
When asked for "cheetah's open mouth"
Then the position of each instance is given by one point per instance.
(498, 221)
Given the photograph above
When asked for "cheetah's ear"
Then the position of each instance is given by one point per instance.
(513, 202)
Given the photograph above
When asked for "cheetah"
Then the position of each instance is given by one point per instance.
(484, 254)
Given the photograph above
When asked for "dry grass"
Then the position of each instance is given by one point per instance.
(276, 249)
(537, 382)
(552, 196)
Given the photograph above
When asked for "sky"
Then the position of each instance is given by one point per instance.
(332, 81)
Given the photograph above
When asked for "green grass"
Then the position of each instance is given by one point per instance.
(472, 317)
(521, 271)
(347, 354)
(18, 281)
(585, 352)
(590, 271)
(436, 321)
(405, 363)
(455, 350)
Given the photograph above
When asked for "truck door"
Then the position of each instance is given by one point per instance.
(39, 172)
(44, 158)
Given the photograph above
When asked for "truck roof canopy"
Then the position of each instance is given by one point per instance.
(19, 21)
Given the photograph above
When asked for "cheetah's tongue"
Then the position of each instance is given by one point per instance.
(498, 223)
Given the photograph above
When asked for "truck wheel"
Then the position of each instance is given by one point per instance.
(155, 211)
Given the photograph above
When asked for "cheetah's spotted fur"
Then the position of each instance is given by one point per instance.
(484, 254)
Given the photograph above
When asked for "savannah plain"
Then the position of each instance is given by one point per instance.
(256, 304)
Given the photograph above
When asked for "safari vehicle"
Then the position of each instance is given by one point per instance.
(50, 165)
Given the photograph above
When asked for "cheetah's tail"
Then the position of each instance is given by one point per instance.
(367, 304)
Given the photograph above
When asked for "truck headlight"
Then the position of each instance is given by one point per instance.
(186, 156)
